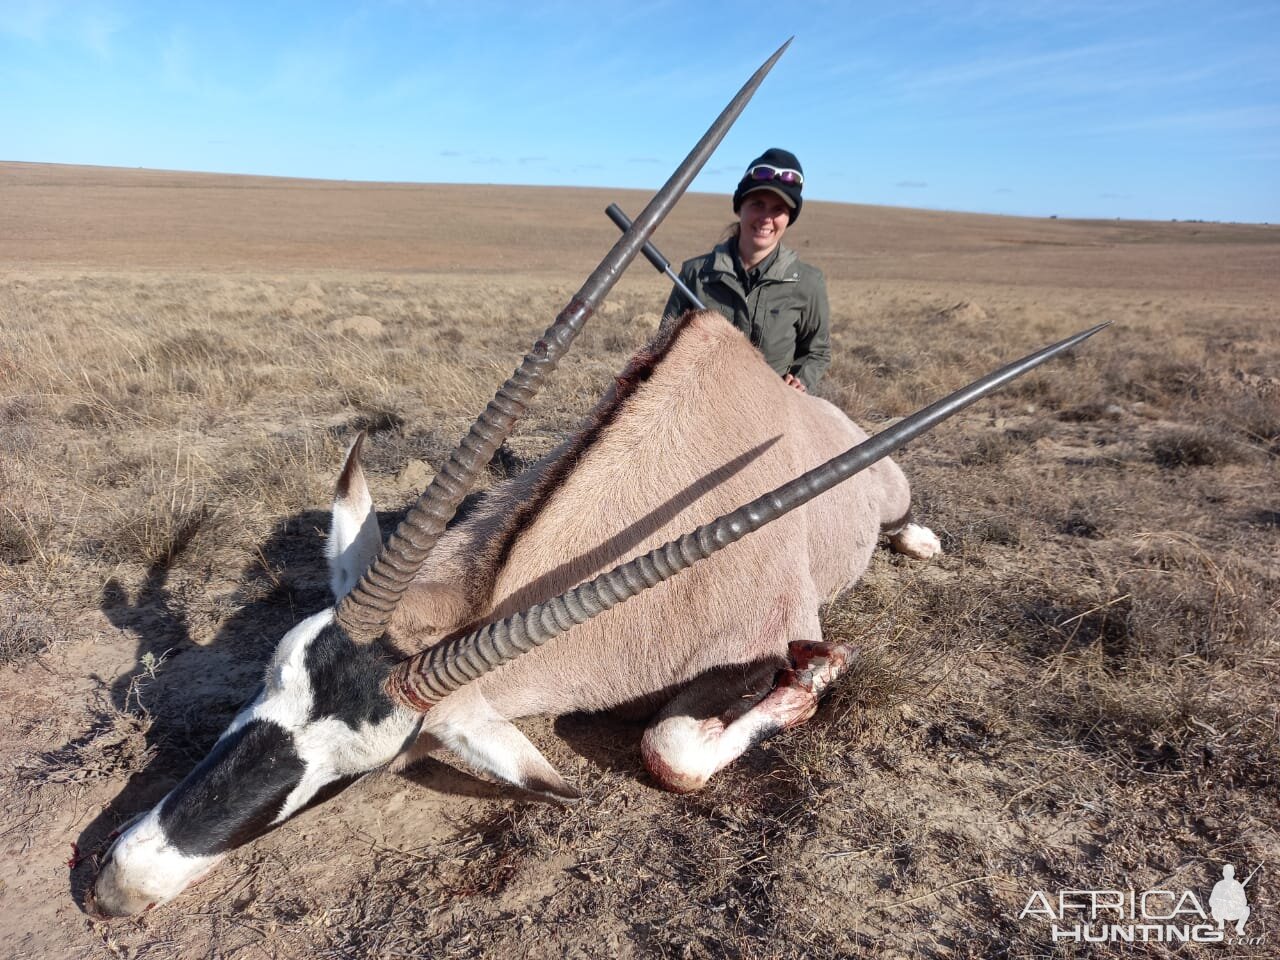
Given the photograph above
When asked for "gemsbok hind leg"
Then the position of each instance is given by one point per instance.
(915, 541)
(702, 730)
(905, 537)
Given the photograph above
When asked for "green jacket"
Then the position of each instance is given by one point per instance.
(785, 315)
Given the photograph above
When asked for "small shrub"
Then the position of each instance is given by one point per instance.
(1076, 524)
(880, 365)
(1087, 413)
(1154, 380)
(17, 410)
(22, 636)
(1003, 531)
(1257, 419)
(376, 419)
(1057, 624)
(1193, 448)
(1265, 518)
(195, 348)
(19, 538)
(992, 448)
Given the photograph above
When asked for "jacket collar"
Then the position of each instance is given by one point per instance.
(785, 268)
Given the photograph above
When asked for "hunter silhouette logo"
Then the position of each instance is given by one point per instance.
(1147, 916)
(1228, 900)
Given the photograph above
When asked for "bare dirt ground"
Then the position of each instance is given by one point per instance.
(1081, 694)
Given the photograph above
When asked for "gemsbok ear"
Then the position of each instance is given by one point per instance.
(354, 538)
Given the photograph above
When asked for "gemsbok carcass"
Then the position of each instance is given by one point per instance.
(437, 637)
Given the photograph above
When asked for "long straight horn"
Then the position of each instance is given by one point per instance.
(423, 680)
(367, 609)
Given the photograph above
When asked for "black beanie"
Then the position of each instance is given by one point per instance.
(789, 192)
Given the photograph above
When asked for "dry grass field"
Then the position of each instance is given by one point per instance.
(1081, 694)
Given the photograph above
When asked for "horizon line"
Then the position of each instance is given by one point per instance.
(641, 190)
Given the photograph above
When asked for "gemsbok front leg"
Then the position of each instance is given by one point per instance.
(469, 726)
(703, 730)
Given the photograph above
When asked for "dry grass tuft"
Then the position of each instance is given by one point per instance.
(894, 664)
(1256, 419)
(20, 534)
(157, 524)
(23, 635)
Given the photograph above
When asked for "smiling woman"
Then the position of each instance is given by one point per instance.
(762, 287)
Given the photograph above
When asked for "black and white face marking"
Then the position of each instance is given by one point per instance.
(320, 721)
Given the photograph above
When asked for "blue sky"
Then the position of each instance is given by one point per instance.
(1069, 107)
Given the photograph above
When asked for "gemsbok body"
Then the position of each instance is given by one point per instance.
(723, 655)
